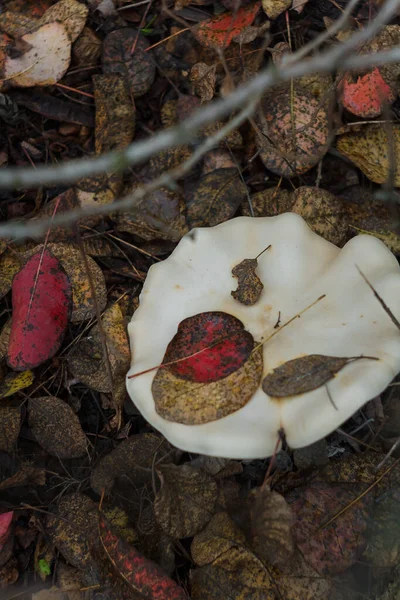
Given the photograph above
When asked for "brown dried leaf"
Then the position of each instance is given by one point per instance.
(303, 374)
(194, 403)
(216, 198)
(10, 423)
(56, 427)
(186, 501)
(268, 203)
(10, 264)
(27, 475)
(203, 78)
(17, 24)
(72, 526)
(270, 526)
(294, 132)
(273, 8)
(115, 114)
(323, 212)
(369, 148)
(5, 338)
(137, 68)
(133, 457)
(250, 286)
(297, 580)
(101, 189)
(87, 48)
(70, 13)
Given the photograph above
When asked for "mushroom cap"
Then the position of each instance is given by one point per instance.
(299, 267)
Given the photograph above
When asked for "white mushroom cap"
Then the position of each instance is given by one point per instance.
(299, 267)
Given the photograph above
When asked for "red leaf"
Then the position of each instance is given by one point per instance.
(220, 30)
(215, 344)
(42, 300)
(366, 96)
(142, 574)
(5, 522)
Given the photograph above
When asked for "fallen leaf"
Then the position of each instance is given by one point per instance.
(10, 424)
(92, 191)
(16, 24)
(144, 577)
(136, 67)
(203, 78)
(87, 48)
(329, 549)
(297, 580)
(5, 527)
(250, 286)
(10, 264)
(270, 526)
(268, 203)
(45, 63)
(365, 95)
(304, 374)
(293, 131)
(219, 31)
(115, 113)
(133, 456)
(298, 5)
(9, 573)
(14, 382)
(186, 501)
(56, 427)
(41, 297)
(273, 8)
(216, 198)
(71, 528)
(70, 13)
(27, 475)
(323, 212)
(5, 338)
(369, 150)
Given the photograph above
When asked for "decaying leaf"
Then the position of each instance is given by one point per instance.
(323, 212)
(47, 60)
(5, 338)
(293, 131)
(250, 286)
(87, 48)
(219, 31)
(10, 423)
(14, 382)
(365, 95)
(137, 68)
(203, 77)
(270, 526)
(27, 475)
(115, 114)
(71, 527)
(10, 265)
(132, 457)
(101, 189)
(332, 548)
(144, 577)
(370, 150)
(304, 374)
(56, 427)
(41, 296)
(186, 501)
(296, 579)
(268, 203)
(273, 8)
(70, 13)
(216, 198)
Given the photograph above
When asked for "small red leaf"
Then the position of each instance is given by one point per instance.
(219, 31)
(5, 522)
(208, 347)
(42, 301)
(143, 575)
(366, 96)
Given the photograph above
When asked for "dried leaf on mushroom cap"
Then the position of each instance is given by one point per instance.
(301, 267)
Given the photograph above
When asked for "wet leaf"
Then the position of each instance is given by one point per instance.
(70, 529)
(273, 8)
(41, 296)
(70, 13)
(203, 78)
(332, 548)
(10, 423)
(56, 427)
(216, 198)
(133, 456)
(5, 527)
(14, 382)
(143, 575)
(304, 374)
(228, 568)
(10, 265)
(186, 501)
(323, 212)
(268, 203)
(250, 286)
(294, 132)
(369, 150)
(219, 31)
(45, 63)
(270, 526)
(136, 67)
(115, 114)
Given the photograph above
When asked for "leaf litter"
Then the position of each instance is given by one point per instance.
(58, 410)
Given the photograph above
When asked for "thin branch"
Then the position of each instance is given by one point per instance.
(185, 132)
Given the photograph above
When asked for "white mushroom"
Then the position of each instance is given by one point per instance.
(299, 267)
